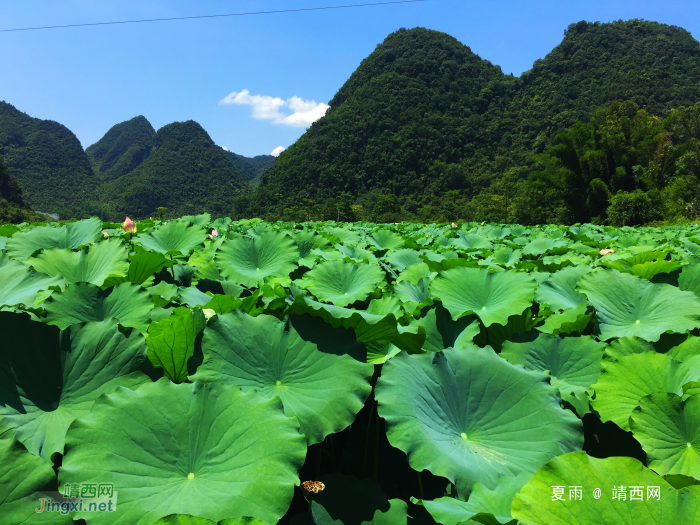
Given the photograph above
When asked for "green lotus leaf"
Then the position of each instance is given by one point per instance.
(202, 219)
(47, 380)
(186, 519)
(559, 291)
(536, 504)
(574, 319)
(622, 383)
(492, 296)
(572, 362)
(386, 240)
(355, 253)
(472, 417)
(127, 303)
(308, 241)
(504, 256)
(368, 327)
(687, 349)
(193, 296)
(23, 480)
(344, 235)
(631, 306)
(171, 341)
(490, 507)
(347, 500)
(689, 279)
(442, 332)
(645, 265)
(400, 259)
(471, 242)
(626, 346)
(317, 384)
(143, 265)
(248, 261)
(199, 449)
(343, 283)
(668, 429)
(542, 246)
(22, 245)
(91, 266)
(414, 273)
(175, 237)
(19, 285)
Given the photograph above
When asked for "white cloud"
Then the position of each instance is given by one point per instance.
(224, 148)
(304, 112)
(276, 152)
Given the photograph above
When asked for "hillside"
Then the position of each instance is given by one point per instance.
(425, 129)
(13, 208)
(122, 149)
(48, 161)
(252, 168)
(185, 172)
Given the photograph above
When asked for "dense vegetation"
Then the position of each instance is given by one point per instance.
(13, 208)
(122, 149)
(185, 173)
(252, 168)
(425, 129)
(251, 373)
(48, 161)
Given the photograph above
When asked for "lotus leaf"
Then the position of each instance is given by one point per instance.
(492, 296)
(201, 449)
(317, 383)
(48, 379)
(472, 417)
(536, 504)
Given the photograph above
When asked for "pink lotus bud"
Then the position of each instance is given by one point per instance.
(128, 226)
(454, 225)
(214, 233)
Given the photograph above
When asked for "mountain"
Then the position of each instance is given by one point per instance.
(13, 208)
(122, 149)
(425, 129)
(185, 172)
(48, 162)
(252, 168)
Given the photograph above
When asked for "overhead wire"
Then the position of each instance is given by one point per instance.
(297, 10)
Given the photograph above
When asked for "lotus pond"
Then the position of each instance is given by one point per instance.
(326, 373)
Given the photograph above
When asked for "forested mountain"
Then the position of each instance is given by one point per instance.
(425, 129)
(252, 168)
(48, 162)
(122, 149)
(12, 207)
(185, 172)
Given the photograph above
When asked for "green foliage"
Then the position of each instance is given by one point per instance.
(122, 149)
(252, 168)
(468, 369)
(185, 173)
(426, 130)
(48, 162)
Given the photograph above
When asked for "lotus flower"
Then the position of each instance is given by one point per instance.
(129, 226)
(606, 251)
(105, 234)
(213, 234)
(454, 225)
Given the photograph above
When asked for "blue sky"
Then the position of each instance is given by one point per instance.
(270, 68)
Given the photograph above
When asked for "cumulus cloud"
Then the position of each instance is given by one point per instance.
(276, 152)
(303, 112)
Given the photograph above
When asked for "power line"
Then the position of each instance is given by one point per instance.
(210, 16)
